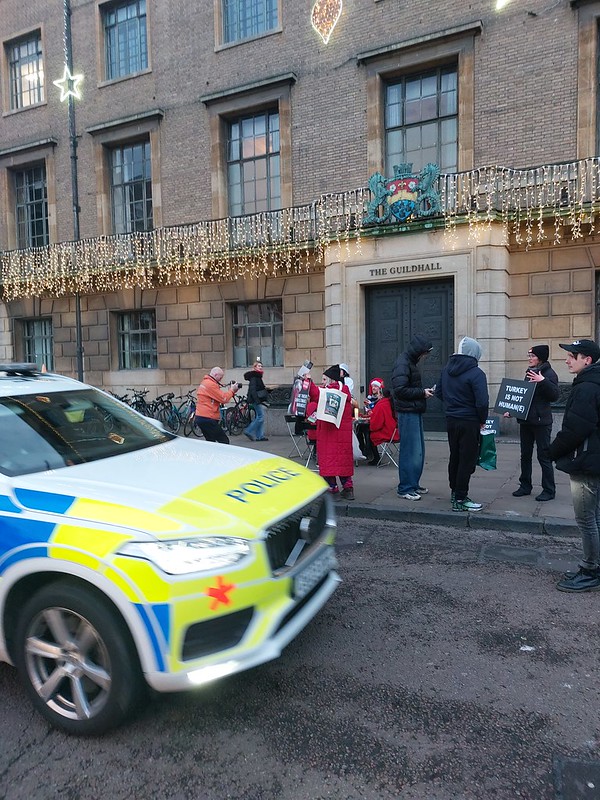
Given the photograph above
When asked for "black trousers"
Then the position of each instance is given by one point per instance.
(463, 439)
(212, 430)
(539, 435)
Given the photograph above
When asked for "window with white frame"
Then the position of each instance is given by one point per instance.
(131, 187)
(258, 333)
(31, 206)
(38, 342)
(125, 38)
(244, 19)
(254, 164)
(421, 120)
(137, 340)
(26, 71)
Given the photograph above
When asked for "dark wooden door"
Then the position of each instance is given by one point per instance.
(394, 314)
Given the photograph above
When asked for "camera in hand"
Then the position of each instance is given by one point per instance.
(236, 385)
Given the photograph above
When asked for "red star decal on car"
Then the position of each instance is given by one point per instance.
(220, 593)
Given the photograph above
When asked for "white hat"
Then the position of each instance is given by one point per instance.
(346, 368)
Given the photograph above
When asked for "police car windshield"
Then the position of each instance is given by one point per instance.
(52, 430)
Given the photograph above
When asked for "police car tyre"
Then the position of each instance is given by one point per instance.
(76, 660)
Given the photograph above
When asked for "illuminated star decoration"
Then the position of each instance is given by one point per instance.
(324, 17)
(69, 85)
(220, 593)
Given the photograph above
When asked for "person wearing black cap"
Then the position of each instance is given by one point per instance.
(537, 428)
(410, 402)
(576, 450)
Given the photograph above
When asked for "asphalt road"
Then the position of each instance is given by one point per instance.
(446, 667)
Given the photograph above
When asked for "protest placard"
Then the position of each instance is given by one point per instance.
(515, 397)
(491, 426)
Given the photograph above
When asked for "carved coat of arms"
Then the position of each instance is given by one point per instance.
(404, 197)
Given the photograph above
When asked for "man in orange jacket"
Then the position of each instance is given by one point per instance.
(211, 396)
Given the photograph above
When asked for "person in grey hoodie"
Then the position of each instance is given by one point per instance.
(463, 390)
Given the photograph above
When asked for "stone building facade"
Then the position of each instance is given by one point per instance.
(525, 95)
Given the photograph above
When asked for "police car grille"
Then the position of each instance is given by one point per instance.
(282, 537)
(215, 635)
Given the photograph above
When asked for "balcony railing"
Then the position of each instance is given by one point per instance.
(536, 205)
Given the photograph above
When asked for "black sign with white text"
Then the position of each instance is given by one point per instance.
(515, 397)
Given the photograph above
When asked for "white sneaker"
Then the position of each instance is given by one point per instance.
(421, 490)
(469, 505)
(410, 496)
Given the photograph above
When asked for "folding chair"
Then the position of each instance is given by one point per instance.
(390, 452)
(310, 451)
(290, 421)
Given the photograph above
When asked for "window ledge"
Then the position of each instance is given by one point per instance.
(472, 28)
(155, 113)
(286, 77)
(21, 148)
(122, 78)
(12, 111)
(229, 45)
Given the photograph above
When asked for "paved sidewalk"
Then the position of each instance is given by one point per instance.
(375, 490)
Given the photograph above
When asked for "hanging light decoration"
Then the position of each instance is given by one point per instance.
(324, 17)
(69, 85)
(532, 206)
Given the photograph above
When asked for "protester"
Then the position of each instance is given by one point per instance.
(345, 370)
(375, 393)
(463, 390)
(576, 450)
(300, 397)
(537, 428)
(258, 397)
(334, 445)
(211, 396)
(410, 402)
(382, 426)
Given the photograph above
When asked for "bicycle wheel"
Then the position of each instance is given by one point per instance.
(169, 418)
(236, 421)
(190, 427)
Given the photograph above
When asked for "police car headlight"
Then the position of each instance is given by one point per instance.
(180, 556)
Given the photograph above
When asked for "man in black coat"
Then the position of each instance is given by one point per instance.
(576, 450)
(537, 428)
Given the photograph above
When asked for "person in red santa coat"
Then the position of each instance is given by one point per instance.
(382, 424)
(334, 444)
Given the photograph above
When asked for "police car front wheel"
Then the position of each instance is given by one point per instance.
(76, 660)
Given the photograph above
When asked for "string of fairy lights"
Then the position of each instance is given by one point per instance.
(540, 206)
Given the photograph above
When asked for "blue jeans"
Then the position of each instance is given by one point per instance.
(412, 451)
(585, 491)
(256, 429)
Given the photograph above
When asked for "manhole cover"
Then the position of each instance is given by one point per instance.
(576, 780)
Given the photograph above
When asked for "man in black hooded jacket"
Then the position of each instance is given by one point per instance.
(410, 402)
(576, 450)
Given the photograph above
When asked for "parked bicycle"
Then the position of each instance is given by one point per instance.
(139, 403)
(165, 412)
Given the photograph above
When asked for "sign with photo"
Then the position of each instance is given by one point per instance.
(515, 397)
(331, 406)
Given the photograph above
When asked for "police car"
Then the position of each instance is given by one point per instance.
(132, 557)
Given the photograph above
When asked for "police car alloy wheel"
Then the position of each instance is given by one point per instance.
(75, 659)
